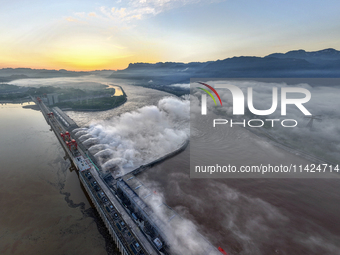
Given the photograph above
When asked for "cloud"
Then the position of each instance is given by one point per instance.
(121, 12)
(137, 138)
(74, 20)
(138, 16)
(181, 85)
(129, 11)
(70, 19)
(126, 14)
(80, 14)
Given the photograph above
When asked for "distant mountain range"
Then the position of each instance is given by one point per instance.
(312, 57)
(293, 64)
(299, 63)
(9, 74)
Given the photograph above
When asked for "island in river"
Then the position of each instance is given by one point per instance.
(98, 98)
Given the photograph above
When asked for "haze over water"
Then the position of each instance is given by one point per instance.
(244, 216)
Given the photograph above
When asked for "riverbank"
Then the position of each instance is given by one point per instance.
(15, 101)
(112, 98)
(104, 98)
(94, 110)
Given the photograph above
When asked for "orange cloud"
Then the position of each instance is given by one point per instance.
(70, 19)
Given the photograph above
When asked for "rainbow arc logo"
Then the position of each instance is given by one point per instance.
(204, 97)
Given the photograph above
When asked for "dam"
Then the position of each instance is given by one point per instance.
(123, 202)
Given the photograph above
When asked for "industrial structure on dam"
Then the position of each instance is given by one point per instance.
(123, 203)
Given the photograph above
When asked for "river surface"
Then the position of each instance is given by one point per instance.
(243, 216)
(43, 209)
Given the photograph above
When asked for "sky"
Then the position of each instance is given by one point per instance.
(95, 35)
